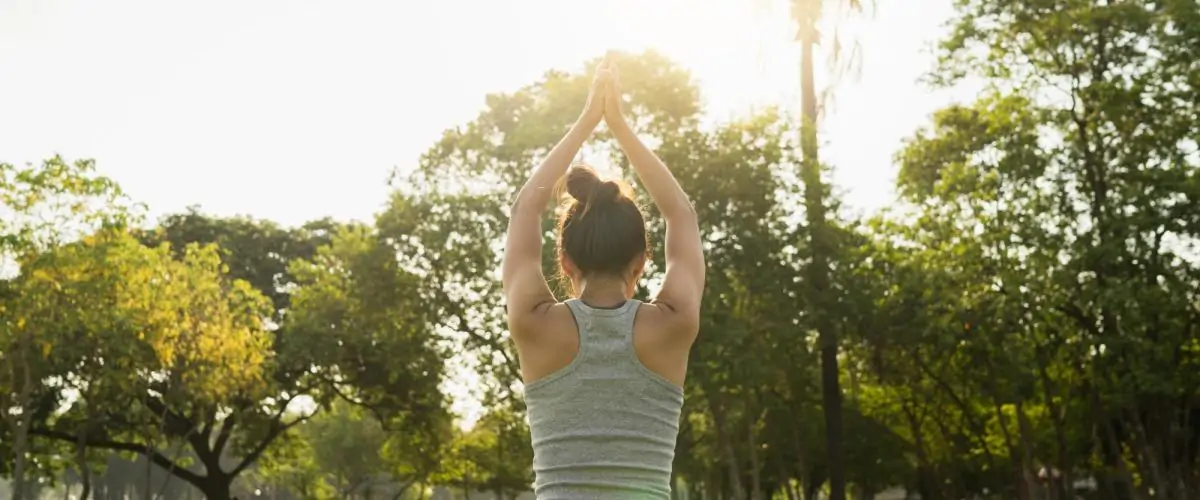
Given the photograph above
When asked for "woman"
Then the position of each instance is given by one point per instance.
(603, 372)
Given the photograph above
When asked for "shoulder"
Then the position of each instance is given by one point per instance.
(675, 322)
(534, 322)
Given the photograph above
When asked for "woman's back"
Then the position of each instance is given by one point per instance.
(605, 425)
(603, 399)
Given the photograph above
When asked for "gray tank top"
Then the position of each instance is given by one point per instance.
(605, 425)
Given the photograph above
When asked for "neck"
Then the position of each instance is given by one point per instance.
(603, 292)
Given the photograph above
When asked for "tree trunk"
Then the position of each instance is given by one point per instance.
(802, 473)
(217, 487)
(21, 432)
(1151, 465)
(756, 492)
(813, 487)
(818, 269)
(726, 445)
(1169, 439)
(1028, 475)
(789, 490)
(85, 474)
(1191, 485)
(785, 479)
(1014, 455)
(1064, 486)
(149, 470)
(404, 488)
(928, 482)
(1114, 480)
(712, 481)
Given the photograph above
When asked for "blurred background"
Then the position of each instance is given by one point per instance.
(250, 249)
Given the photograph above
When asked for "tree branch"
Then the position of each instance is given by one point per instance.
(223, 435)
(154, 456)
(206, 431)
(456, 311)
(403, 489)
(174, 423)
(1081, 318)
(277, 429)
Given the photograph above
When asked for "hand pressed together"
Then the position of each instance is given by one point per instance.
(597, 104)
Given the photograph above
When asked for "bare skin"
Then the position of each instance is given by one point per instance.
(543, 329)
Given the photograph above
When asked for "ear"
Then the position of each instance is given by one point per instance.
(636, 268)
(639, 267)
(568, 266)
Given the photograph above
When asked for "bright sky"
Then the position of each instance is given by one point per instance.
(293, 110)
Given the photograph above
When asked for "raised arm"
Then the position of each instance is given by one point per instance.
(524, 285)
(684, 281)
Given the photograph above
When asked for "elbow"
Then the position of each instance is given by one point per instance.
(682, 212)
(528, 198)
(518, 200)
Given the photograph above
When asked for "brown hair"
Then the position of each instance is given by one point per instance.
(602, 230)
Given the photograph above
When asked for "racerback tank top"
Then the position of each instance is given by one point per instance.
(605, 425)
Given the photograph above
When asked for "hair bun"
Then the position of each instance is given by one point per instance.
(607, 191)
(585, 186)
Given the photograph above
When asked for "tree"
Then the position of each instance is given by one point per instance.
(161, 338)
(354, 454)
(256, 251)
(45, 205)
(1115, 213)
(289, 470)
(1031, 310)
(347, 447)
(358, 324)
(821, 238)
(185, 354)
(495, 455)
(1024, 319)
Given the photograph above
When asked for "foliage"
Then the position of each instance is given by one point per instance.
(1021, 323)
(140, 346)
(40, 207)
(1035, 310)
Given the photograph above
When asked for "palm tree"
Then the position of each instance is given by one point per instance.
(806, 14)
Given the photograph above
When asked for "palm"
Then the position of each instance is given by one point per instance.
(593, 110)
(612, 100)
(806, 14)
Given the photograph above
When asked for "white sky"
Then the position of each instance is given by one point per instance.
(292, 110)
(298, 109)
